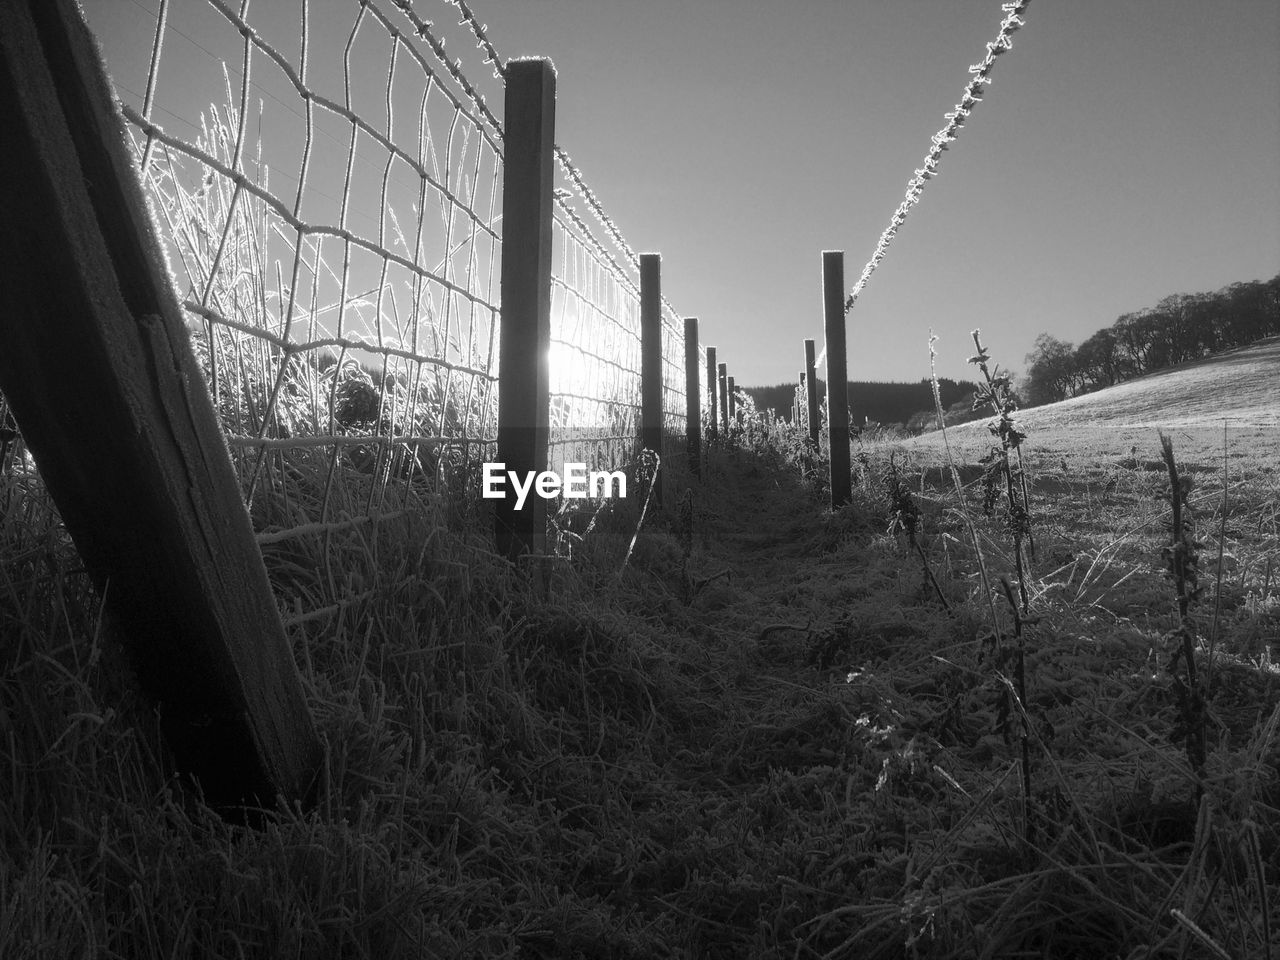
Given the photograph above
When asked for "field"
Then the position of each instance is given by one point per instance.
(768, 730)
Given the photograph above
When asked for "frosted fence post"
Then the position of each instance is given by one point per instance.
(692, 396)
(712, 406)
(651, 361)
(524, 358)
(837, 376)
(98, 367)
(723, 373)
(811, 393)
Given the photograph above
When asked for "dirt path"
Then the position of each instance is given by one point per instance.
(791, 559)
(792, 598)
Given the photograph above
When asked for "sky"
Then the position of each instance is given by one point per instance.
(1123, 151)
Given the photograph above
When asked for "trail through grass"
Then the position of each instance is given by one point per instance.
(785, 747)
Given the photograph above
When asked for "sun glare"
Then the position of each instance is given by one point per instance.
(570, 382)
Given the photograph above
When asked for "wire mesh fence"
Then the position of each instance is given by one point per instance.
(608, 417)
(595, 351)
(328, 186)
(595, 344)
(334, 235)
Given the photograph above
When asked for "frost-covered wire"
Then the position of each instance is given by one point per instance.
(478, 30)
(981, 77)
(570, 169)
(422, 29)
(596, 291)
(351, 321)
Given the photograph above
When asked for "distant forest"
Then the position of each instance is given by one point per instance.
(908, 405)
(1181, 327)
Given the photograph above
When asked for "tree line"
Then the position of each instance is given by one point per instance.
(889, 404)
(1181, 327)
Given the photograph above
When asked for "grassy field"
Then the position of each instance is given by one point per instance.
(770, 730)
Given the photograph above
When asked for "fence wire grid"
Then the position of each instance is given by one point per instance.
(328, 186)
(328, 183)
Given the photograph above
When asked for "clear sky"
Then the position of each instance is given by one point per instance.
(1124, 151)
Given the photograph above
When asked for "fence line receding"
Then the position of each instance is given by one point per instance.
(329, 193)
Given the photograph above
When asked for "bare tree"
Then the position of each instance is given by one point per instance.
(1052, 373)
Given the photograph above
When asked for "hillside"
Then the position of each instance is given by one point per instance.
(1236, 385)
(1237, 390)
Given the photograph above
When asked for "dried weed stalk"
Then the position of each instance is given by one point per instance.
(1181, 558)
(647, 471)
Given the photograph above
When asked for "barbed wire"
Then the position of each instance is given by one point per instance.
(981, 78)
(422, 28)
(571, 169)
(482, 40)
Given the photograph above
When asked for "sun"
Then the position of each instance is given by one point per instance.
(571, 387)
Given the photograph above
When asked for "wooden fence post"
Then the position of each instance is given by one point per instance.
(733, 400)
(837, 376)
(811, 394)
(723, 371)
(712, 406)
(651, 362)
(97, 365)
(692, 396)
(525, 333)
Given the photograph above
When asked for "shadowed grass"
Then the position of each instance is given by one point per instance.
(800, 758)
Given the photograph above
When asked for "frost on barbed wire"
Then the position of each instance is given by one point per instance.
(422, 28)
(981, 77)
(482, 40)
(570, 169)
(478, 30)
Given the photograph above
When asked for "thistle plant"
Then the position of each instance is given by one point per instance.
(1001, 472)
(904, 517)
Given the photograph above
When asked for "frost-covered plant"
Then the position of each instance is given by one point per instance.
(904, 517)
(1003, 474)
